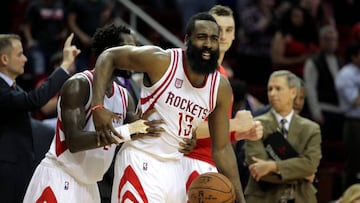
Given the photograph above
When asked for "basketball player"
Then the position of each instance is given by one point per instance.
(75, 161)
(242, 125)
(184, 88)
(200, 160)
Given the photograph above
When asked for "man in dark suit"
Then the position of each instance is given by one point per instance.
(287, 180)
(17, 158)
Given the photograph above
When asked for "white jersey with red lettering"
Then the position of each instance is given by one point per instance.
(181, 105)
(150, 169)
(200, 159)
(89, 166)
(72, 177)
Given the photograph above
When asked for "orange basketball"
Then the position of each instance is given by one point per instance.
(211, 187)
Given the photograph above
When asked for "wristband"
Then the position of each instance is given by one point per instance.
(99, 106)
(124, 132)
(232, 136)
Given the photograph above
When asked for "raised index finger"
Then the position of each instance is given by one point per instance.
(69, 40)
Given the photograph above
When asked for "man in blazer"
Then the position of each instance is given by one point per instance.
(17, 158)
(288, 180)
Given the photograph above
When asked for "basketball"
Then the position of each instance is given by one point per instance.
(211, 187)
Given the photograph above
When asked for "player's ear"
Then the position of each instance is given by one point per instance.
(4, 58)
(186, 40)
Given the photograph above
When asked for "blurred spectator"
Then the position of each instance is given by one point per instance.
(346, 14)
(355, 33)
(320, 10)
(187, 8)
(347, 84)
(84, 17)
(242, 99)
(18, 9)
(17, 158)
(47, 113)
(239, 147)
(282, 6)
(256, 32)
(12, 14)
(299, 100)
(278, 178)
(240, 5)
(294, 41)
(44, 31)
(298, 105)
(319, 75)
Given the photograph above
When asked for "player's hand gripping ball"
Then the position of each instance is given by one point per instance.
(211, 187)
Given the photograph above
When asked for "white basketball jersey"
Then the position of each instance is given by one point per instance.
(181, 105)
(88, 166)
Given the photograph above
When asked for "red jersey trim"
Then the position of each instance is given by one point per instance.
(146, 99)
(212, 90)
(164, 85)
(60, 146)
(123, 98)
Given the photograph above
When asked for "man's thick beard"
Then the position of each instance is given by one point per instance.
(198, 64)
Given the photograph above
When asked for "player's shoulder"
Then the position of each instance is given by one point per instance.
(152, 49)
(76, 82)
(224, 82)
(224, 90)
(78, 78)
(153, 53)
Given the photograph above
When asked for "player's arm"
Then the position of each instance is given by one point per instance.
(74, 95)
(132, 116)
(188, 144)
(148, 59)
(222, 150)
(242, 127)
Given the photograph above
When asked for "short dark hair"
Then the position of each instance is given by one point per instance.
(291, 79)
(5, 41)
(108, 36)
(56, 59)
(220, 10)
(199, 16)
(239, 89)
(352, 50)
